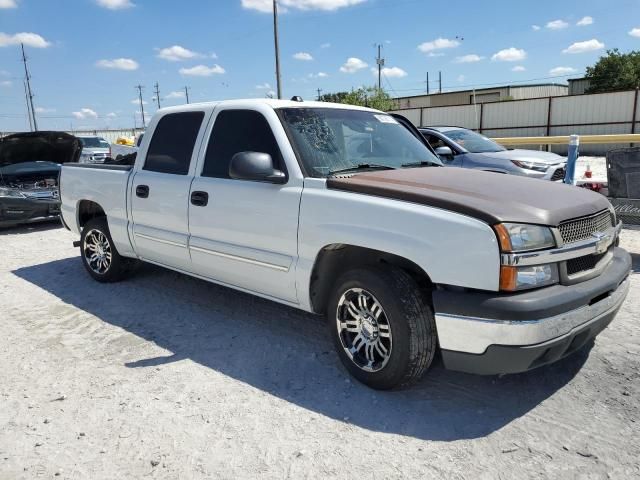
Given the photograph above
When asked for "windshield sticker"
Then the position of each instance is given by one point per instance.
(385, 119)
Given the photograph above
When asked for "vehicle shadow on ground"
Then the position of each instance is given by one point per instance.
(288, 354)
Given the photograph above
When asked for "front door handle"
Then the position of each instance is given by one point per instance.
(142, 191)
(199, 199)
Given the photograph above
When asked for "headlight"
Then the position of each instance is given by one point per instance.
(522, 278)
(520, 237)
(538, 167)
(11, 193)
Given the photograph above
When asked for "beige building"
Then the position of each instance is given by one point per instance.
(483, 95)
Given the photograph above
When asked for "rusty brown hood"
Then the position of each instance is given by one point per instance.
(491, 197)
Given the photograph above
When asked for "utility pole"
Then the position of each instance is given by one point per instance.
(439, 82)
(380, 62)
(319, 94)
(26, 97)
(29, 92)
(140, 87)
(275, 37)
(157, 92)
(186, 93)
(427, 83)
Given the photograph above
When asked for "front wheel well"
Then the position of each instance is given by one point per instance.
(336, 259)
(88, 210)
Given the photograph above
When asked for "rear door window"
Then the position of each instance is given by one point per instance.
(173, 142)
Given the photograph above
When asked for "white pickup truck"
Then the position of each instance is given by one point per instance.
(345, 211)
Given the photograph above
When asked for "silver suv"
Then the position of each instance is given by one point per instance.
(460, 147)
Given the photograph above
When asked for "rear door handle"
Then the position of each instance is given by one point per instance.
(142, 191)
(199, 199)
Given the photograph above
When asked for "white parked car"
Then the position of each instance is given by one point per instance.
(344, 211)
(94, 149)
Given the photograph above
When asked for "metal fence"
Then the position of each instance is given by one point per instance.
(593, 114)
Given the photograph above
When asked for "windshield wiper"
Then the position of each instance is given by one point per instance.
(362, 166)
(423, 163)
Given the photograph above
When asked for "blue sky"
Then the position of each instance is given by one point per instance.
(86, 56)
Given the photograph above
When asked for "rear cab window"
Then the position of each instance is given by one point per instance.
(173, 142)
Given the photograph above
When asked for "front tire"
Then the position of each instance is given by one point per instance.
(99, 254)
(383, 327)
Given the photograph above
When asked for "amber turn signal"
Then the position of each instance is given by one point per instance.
(508, 278)
(503, 237)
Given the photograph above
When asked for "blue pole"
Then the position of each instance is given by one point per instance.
(572, 159)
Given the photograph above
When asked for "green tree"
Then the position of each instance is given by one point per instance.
(615, 71)
(371, 97)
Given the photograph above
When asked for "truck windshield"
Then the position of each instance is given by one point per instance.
(94, 142)
(329, 140)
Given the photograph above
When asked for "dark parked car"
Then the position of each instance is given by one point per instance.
(29, 172)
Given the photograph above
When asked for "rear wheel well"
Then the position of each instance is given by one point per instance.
(336, 259)
(88, 210)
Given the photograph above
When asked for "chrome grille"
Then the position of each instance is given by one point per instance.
(582, 228)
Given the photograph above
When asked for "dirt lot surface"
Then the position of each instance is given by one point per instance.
(164, 376)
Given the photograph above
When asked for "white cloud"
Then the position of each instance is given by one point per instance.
(635, 32)
(391, 72)
(118, 64)
(318, 75)
(535, 28)
(8, 4)
(435, 54)
(85, 113)
(586, 46)
(304, 56)
(352, 65)
(177, 53)
(203, 71)
(325, 45)
(472, 58)
(461, 78)
(518, 68)
(175, 94)
(584, 21)
(557, 25)
(115, 4)
(6, 83)
(263, 86)
(112, 115)
(45, 110)
(562, 71)
(29, 39)
(438, 44)
(511, 54)
(266, 6)
(136, 101)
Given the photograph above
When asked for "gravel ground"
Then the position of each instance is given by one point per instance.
(164, 376)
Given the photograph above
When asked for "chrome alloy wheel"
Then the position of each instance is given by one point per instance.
(97, 251)
(364, 329)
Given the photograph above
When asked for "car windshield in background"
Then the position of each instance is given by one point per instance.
(473, 142)
(329, 140)
(94, 142)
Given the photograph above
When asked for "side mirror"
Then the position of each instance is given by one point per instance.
(255, 166)
(444, 152)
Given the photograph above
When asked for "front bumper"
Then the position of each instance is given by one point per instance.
(14, 211)
(491, 333)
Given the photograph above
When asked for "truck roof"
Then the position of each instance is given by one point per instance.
(273, 103)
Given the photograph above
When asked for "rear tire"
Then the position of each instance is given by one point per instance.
(383, 327)
(99, 255)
